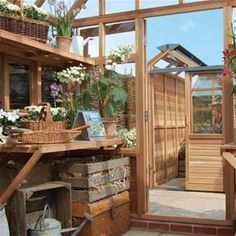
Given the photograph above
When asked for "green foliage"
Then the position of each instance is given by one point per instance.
(65, 21)
(31, 11)
(110, 94)
(182, 149)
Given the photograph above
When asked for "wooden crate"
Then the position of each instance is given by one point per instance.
(111, 216)
(27, 204)
(94, 181)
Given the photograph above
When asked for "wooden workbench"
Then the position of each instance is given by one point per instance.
(38, 150)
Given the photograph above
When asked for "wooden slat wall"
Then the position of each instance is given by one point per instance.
(205, 165)
(168, 116)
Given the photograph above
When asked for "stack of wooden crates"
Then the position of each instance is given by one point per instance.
(99, 187)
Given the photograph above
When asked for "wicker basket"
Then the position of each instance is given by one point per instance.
(46, 123)
(34, 29)
(41, 137)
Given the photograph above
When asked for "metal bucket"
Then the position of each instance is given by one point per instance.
(4, 228)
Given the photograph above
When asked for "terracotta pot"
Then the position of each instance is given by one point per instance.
(64, 43)
(110, 124)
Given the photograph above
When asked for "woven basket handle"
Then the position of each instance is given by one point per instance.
(80, 128)
(46, 112)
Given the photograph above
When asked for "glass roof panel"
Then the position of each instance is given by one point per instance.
(158, 3)
(113, 6)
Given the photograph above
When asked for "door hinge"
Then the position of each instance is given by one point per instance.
(146, 116)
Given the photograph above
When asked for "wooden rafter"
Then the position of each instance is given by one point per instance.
(77, 4)
(157, 58)
(109, 29)
(183, 58)
(156, 11)
(39, 3)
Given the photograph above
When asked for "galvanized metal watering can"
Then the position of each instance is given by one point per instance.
(51, 227)
(4, 229)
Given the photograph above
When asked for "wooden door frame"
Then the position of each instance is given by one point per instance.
(142, 159)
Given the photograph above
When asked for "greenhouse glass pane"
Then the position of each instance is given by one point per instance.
(47, 80)
(207, 103)
(158, 3)
(113, 6)
(19, 85)
(201, 82)
(91, 9)
(202, 122)
(202, 99)
(119, 34)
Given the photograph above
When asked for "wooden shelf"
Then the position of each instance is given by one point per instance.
(24, 47)
(59, 147)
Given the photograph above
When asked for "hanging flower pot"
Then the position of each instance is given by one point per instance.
(64, 43)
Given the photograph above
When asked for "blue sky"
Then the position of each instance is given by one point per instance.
(199, 32)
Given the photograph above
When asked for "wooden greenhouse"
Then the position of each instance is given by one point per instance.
(173, 98)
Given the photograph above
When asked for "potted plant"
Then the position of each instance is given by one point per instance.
(68, 93)
(65, 23)
(109, 91)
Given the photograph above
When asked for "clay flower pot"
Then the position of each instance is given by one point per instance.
(110, 124)
(64, 43)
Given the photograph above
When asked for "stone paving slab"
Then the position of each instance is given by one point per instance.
(205, 205)
(135, 232)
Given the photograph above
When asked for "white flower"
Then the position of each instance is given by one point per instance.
(74, 74)
(2, 114)
(13, 7)
(13, 116)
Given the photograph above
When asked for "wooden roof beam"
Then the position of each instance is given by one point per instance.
(181, 57)
(156, 11)
(109, 29)
(39, 3)
(77, 5)
(157, 58)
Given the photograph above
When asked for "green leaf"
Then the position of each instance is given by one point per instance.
(119, 95)
(110, 110)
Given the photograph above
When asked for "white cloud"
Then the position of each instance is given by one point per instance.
(187, 26)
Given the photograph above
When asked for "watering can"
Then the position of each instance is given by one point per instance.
(77, 44)
(51, 227)
(4, 229)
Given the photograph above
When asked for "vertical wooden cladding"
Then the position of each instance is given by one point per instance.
(204, 163)
(205, 169)
(168, 124)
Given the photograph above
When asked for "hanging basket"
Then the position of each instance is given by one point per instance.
(34, 29)
(45, 123)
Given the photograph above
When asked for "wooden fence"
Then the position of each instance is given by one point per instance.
(168, 129)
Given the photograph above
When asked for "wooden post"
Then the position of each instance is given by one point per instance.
(229, 185)
(188, 100)
(36, 82)
(102, 7)
(227, 99)
(138, 4)
(141, 124)
(4, 78)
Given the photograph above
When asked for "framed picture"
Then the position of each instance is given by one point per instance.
(96, 131)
